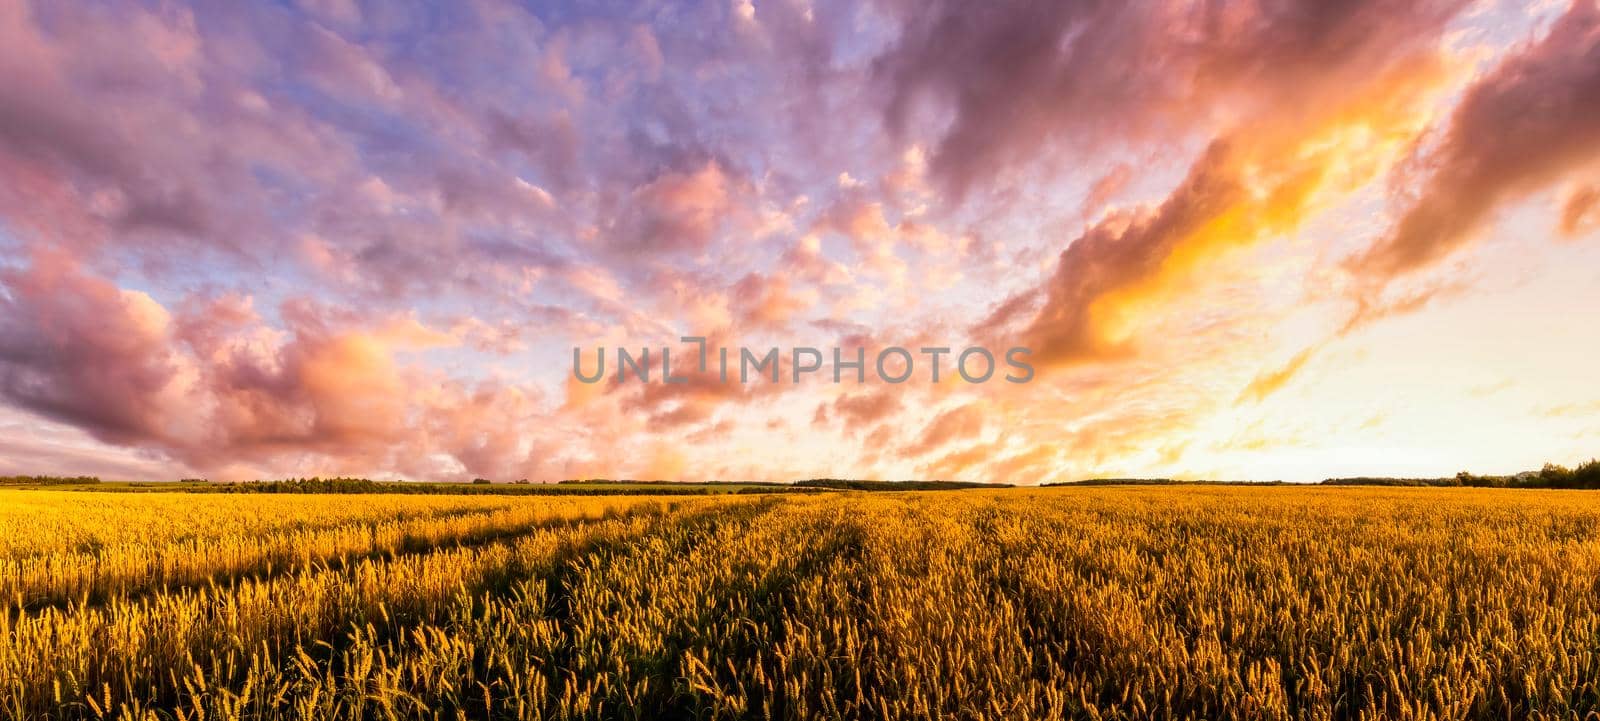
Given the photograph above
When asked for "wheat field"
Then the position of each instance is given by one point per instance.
(1065, 603)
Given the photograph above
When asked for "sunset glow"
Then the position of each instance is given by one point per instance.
(1243, 241)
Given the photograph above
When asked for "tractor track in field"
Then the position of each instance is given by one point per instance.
(325, 644)
(410, 546)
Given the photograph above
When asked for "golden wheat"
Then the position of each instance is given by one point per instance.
(1092, 603)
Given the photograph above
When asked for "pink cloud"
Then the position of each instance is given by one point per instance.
(856, 411)
(1529, 123)
(956, 424)
(215, 387)
(675, 212)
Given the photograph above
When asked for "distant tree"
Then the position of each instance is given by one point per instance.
(1586, 475)
(850, 484)
(47, 480)
(482, 481)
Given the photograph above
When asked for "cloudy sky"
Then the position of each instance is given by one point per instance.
(1257, 240)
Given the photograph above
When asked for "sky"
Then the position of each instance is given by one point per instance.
(1241, 240)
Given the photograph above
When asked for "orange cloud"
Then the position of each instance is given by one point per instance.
(1269, 382)
(1261, 180)
(1578, 214)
